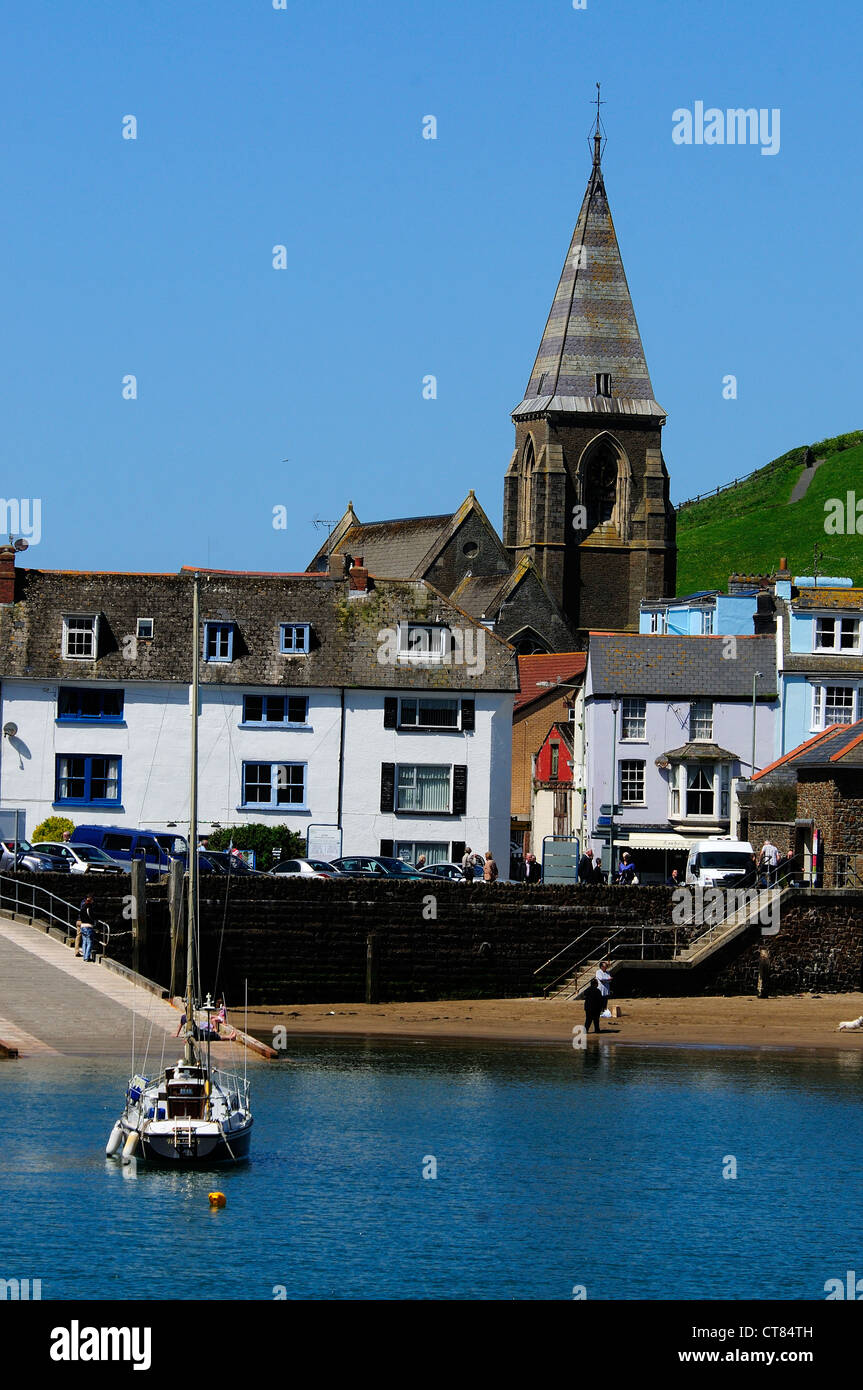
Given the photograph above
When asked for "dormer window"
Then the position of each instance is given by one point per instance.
(219, 642)
(80, 637)
(294, 638)
(144, 631)
(424, 641)
(603, 383)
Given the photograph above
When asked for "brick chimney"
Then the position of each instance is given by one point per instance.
(359, 576)
(7, 573)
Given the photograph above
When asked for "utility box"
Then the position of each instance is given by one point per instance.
(560, 855)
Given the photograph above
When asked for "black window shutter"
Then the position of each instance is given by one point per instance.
(468, 716)
(388, 786)
(458, 849)
(391, 712)
(459, 790)
(387, 848)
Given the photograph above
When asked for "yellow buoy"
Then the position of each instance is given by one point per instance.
(218, 1199)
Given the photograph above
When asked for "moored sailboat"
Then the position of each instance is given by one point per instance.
(191, 1114)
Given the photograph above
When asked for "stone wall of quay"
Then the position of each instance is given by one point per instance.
(313, 941)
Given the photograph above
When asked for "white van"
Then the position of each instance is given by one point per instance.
(717, 858)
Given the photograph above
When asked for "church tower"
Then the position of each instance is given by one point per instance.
(586, 492)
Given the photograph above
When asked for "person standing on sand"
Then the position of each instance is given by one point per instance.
(592, 1006)
(603, 981)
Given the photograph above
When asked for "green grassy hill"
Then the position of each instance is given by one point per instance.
(748, 528)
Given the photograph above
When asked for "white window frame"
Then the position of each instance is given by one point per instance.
(708, 622)
(145, 636)
(819, 702)
(422, 811)
(294, 648)
(697, 705)
(93, 620)
(658, 621)
(434, 646)
(835, 622)
(634, 718)
(634, 762)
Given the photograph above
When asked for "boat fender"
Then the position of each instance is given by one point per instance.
(218, 1199)
(115, 1139)
(130, 1146)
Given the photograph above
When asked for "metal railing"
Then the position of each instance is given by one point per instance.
(611, 946)
(27, 899)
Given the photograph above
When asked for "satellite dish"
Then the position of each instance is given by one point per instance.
(10, 730)
(21, 544)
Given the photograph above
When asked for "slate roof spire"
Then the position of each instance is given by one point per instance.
(591, 357)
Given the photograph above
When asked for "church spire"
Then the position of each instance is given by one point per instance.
(591, 357)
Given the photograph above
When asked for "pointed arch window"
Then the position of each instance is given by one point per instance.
(526, 498)
(601, 484)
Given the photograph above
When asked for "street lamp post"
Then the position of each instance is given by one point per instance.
(615, 706)
(755, 676)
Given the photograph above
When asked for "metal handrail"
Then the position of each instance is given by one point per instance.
(564, 948)
(593, 955)
(66, 919)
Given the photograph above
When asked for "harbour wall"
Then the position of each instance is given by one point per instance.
(315, 941)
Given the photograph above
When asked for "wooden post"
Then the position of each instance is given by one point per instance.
(372, 967)
(139, 915)
(176, 875)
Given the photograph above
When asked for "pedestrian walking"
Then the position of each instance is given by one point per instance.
(421, 862)
(533, 870)
(769, 858)
(489, 869)
(626, 869)
(86, 925)
(592, 1006)
(467, 864)
(586, 868)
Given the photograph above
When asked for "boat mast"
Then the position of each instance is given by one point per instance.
(193, 841)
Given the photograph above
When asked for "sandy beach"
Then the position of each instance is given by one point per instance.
(807, 1021)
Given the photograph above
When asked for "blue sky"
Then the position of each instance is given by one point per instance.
(405, 256)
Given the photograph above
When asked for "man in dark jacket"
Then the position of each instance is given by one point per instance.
(593, 1006)
(588, 870)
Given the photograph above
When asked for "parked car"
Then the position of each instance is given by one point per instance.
(375, 866)
(40, 860)
(220, 861)
(307, 868)
(451, 871)
(156, 847)
(82, 859)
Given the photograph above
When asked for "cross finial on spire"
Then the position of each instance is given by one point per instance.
(597, 134)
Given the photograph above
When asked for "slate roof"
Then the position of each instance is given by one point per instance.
(592, 326)
(346, 632)
(690, 667)
(839, 744)
(700, 753)
(395, 547)
(554, 666)
(479, 594)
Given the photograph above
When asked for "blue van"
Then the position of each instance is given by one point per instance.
(156, 847)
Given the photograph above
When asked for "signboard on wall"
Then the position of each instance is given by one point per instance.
(324, 842)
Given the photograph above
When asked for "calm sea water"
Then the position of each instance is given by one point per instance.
(555, 1168)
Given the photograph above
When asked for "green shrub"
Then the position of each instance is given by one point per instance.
(263, 839)
(52, 828)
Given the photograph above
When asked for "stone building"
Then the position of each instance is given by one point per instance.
(588, 527)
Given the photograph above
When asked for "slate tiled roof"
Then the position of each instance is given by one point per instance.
(592, 326)
(554, 666)
(346, 636)
(394, 548)
(478, 594)
(838, 745)
(690, 667)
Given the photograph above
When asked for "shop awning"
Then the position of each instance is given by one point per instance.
(647, 839)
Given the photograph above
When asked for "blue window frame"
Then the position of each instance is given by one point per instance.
(275, 709)
(274, 784)
(218, 641)
(87, 779)
(77, 704)
(294, 637)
